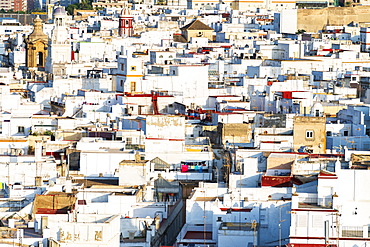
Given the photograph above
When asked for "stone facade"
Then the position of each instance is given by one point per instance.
(36, 46)
(313, 20)
(310, 132)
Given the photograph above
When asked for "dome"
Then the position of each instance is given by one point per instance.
(59, 11)
(125, 12)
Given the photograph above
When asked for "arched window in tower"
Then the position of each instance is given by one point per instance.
(126, 22)
(40, 59)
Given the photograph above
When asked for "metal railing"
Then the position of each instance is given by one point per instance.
(314, 202)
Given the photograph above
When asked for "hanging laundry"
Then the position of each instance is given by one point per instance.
(184, 168)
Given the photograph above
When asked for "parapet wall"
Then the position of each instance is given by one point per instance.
(313, 20)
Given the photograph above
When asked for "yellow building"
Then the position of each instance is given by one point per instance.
(234, 133)
(36, 46)
(197, 29)
(110, 4)
(313, 20)
(310, 132)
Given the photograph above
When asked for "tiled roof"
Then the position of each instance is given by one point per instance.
(196, 25)
(179, 38)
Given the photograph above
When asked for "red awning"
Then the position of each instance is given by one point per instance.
(311, 245)
(237, 209)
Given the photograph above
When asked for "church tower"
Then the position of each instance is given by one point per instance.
(60, 43)
(36, 46)
(60, 31)
(125, 28)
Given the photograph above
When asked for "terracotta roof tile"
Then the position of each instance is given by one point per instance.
(196, 25)
(179, 38)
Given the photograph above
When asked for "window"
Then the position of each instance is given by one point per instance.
(129, 140)
(21, 129)
(121, 83)
(133, 68)
(317, 221)
(345, 133)
(160, 56)
(329, 133)
(301, 221)
(309, 134)
(122, 66)
(40, 59)
(133, 86)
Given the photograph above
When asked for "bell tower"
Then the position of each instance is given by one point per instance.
(125, 28)
(60, 51)
(36, 46)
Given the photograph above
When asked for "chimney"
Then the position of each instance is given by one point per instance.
(216, 226)
(153, 230)
(148, 235)
(157, 222)
(107, 121)
(62, 172)
(68, 186)
(38, 150)
(338, 165)
(137, 157)
(38, 181)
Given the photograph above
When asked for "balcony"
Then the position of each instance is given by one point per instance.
(196, 235)
(314, 202)
(239, 226)
(135, 147)
(353, 231)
